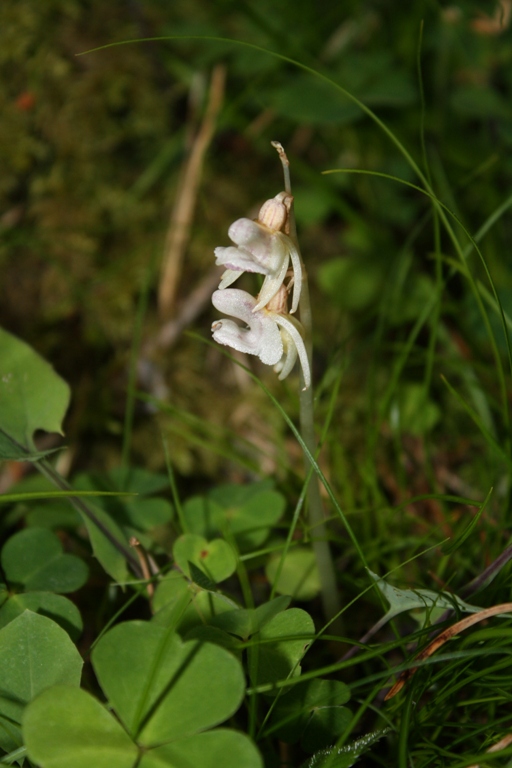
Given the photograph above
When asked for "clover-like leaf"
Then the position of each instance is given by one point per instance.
(244, 622)
(279, 648)
(180, 605)
(246, 513)
(35, 653)
(298, 575)
(34, 560)
(312, 713)
(163, 689)
(55, 607)
(214, 558)
(212, 749)
(68, 727)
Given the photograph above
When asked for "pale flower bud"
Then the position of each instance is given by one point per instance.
(274, 213)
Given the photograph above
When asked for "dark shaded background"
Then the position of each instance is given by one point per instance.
(93, 150)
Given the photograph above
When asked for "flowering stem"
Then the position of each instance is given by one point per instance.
(319, 538)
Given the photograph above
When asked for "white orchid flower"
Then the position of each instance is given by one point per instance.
(274, 337)
(263, 248)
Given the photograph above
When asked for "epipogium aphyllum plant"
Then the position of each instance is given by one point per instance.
(269, 246)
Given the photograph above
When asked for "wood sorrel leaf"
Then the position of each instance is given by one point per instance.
(244, 622)
(214, 558)
(67, 727)
(245, 512)
(33, 559)
(180, 605)
(35, 653)
(55, 607)
(298, 576)
(312, 713)
(279, 647)
(212, 749)
(163, 689)
(32, 396)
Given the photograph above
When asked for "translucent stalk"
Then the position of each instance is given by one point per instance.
(319, 537)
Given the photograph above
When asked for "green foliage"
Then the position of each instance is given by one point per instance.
(405, 244)
(33, 560)
(35, 654)
(280, 647)
(246, 513)
(32, 396)
(214, 558)
(298, 574)
(164, 692)
(163, 689)
(312, 713)
(36, 568)
(69, 727)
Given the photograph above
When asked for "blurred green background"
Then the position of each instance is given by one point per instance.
(94, 150)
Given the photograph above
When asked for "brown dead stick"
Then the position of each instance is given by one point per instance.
(182, 215)
(442, 638)
(501, 744)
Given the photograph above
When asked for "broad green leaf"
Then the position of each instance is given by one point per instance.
(163, 689)
(312, 713)
(236, 494)
(244, 622)
(58, 515)
(10, 450)
(220, 748)
(181, 605)
(280, 646)
(299, 575)
(32, 395)
(136, 480)
(34, 559)
(170, 591)
(401, 600)
(55, 607)
(110, 558)
(246, 513)
(214, 558)
(209, 634)
(145, 514)
(141, 512)
(67, 728)
(35, 653)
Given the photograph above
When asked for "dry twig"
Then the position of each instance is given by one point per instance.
(182, 214)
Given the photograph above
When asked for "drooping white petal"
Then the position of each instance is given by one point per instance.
(291, 328)
(271, 286)
(285, 365)
(297, 275)
(261, 338)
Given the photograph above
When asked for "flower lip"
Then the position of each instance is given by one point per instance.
(274, 337)
(261, 338)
